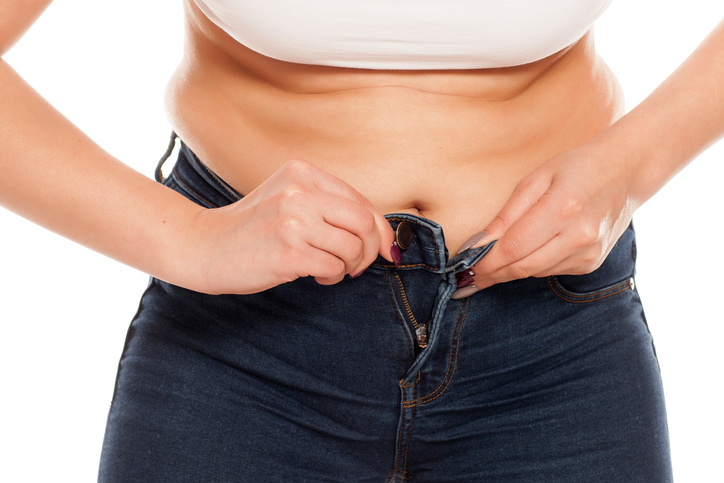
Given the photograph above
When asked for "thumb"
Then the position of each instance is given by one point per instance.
(387, 236)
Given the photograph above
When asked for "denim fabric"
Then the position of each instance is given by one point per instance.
(385, 378)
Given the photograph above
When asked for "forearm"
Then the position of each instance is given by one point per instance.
(57, 177)
(679, 120)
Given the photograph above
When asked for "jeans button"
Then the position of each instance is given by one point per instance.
(403, 235)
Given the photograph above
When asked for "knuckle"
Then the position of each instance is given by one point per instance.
(587, 263)
(356, 248)
(352, 249)
(527, 184)
(518, 271)
(294, 194)
(592, 256)
(334, 267)
(297, 166)
(510, 249)
(594, 260)
(290, 226)
(571, 206)
(502, 219)
(534, 186)
(367, 222)
(588, 235)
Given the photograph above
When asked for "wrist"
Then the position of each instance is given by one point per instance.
(210, 255)
(630, 150)
(173, 240)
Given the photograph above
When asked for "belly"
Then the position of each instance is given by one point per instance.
(448, 145)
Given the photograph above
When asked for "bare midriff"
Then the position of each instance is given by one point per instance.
(448, 145)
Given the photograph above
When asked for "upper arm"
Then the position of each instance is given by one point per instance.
(16, 17)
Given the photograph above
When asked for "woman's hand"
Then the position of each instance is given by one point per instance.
(563, 218)
(300, 222)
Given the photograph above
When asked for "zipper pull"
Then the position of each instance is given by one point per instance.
(421, 333)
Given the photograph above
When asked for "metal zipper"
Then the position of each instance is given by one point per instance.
(420, 329)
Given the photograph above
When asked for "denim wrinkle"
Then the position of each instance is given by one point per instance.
(385, 378)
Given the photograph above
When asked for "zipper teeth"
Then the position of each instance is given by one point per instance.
(406, 303)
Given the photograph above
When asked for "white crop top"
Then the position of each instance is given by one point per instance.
(405, 34)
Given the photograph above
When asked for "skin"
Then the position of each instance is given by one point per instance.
(551, 169)
(369, 128)
(566, 216)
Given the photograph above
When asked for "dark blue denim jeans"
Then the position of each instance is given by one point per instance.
(384, 378)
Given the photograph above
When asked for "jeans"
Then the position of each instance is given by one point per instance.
(385, 378)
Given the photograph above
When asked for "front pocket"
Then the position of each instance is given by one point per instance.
(584, 297)
(614, 276)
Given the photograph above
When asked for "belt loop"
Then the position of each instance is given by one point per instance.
(171, 145)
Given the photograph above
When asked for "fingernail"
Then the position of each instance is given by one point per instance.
(396, 255)
(472, 241)
(358, 274)
(465, 278)
(463, 292)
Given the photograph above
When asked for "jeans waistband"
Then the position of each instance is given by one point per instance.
(426, 248)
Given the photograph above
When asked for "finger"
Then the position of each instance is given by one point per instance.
(528, 234)
(325, 267)
(329, 280)
(583, 261)
(385, 234)
(303, 170)
(536, 264)
(563, 255)
(359, 221)
(387, 237)
(344, 245)
(332, 185)
(524, 197)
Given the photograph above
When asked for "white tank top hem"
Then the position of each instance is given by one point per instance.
(405, 34)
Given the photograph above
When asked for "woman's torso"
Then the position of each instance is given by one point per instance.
(449, 145)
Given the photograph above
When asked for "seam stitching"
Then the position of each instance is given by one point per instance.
(592, 297)
(445, 383)
(416, 380)
(222, 183)
(178, 179)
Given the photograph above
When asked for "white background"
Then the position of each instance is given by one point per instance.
(64, 310)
